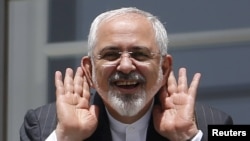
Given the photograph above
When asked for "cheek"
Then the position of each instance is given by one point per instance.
(102, 74)
(152, 74)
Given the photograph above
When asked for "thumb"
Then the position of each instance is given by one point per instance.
(157, 110)
(94, 110)
(157, 113)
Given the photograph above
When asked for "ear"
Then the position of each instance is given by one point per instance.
(87, 69)
(166, 67)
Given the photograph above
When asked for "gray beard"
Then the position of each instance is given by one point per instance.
(127, 104)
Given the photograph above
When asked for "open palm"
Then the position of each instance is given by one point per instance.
(77, 119)
(174, 118)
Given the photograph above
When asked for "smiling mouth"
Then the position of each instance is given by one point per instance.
(127, 84)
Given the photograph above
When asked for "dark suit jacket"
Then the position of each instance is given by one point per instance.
(40, 123)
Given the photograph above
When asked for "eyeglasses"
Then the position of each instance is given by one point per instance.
(139, 55)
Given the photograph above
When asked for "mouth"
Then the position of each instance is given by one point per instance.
(127, 83)
(127, 86)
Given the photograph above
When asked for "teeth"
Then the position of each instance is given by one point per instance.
(126, 83)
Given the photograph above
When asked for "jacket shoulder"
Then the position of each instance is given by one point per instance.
(207, 115)
(38, 123)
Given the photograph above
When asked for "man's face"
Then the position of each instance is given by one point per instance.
(127, 72)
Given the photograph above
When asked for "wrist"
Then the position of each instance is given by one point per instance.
(191, 135)
(185, 136)
(63, 135)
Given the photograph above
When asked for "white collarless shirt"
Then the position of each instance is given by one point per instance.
(136, 131)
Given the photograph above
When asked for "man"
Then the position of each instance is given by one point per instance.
(137, 95)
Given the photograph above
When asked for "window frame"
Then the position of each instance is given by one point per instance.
(28, 41)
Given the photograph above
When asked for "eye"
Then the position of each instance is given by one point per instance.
(140, 55)
(110, 55)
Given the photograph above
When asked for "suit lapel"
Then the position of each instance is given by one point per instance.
(152, 135)
(102, 132)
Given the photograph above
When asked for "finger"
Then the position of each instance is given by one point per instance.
(165, 101)
(83, 101)
(172, 84)
(78, 82)
(86, 90)
(68, 81)
(59, 83)
(163, 94)
(194, 85)
(182, 81)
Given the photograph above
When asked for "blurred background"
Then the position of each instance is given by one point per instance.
(38, 37)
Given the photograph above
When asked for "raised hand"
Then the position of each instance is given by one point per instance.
(174, 118)
(77, 119)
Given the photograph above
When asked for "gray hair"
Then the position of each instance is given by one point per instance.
(160, 31)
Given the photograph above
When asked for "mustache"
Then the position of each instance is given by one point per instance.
(130, 76)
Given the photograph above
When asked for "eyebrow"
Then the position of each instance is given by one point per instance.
(114, 48)
(138, 48)
(109, 48)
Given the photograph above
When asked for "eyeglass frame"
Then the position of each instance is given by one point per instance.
(119, 54)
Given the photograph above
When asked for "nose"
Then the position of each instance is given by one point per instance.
(126, 64)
